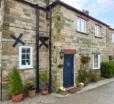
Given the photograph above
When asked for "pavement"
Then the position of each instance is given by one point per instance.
(101, 92)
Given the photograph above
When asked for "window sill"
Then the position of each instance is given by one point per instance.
(98, 37)
(83, 33)
(24, 68)
(96, 68)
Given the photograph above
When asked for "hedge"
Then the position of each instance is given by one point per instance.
(107, 69)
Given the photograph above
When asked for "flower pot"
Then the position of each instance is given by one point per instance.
(44, 91)
(31, 93)
(17, 98)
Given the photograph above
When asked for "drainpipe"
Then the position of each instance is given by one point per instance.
(50, 49)
(37, 48)
(1, 82)
(47, 4)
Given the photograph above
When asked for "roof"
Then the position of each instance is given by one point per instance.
(111, 28)
(58, 2)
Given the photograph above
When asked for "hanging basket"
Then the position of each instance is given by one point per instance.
(85, 59)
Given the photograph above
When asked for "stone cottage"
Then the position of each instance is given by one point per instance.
(50, 35)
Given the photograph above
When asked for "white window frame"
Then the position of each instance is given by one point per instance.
(97, 30)
(20, 58)
(81, 25)
(99, 61)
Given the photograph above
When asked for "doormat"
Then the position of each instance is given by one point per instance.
(73, 90)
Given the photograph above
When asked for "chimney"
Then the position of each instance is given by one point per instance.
(85, 11)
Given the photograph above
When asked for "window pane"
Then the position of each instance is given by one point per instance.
(28, 50)
(113, 38)
(82, 26)
(85, 26)
(23, 62)
(95, 61)
(28, 56)
(97, 30)
(78, 24)
(27, 62)
(23, 56)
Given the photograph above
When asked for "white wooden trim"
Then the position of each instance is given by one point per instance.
(81, 21)
(97, 31)
(99, 59)
(98, 62)
(31, 59)
(75, 70)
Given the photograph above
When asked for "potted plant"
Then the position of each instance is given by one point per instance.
(15, 86)
(44, 82)
(31, 89)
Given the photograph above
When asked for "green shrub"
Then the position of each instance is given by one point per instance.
(15, 85)
(43, 79)
(30, 86)
(107, 69)
(95, 75)
(84, 76)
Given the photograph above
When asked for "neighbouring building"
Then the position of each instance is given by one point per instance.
(74, 33)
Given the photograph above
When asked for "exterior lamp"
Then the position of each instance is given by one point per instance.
(61, 54)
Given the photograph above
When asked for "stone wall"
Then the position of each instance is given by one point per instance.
(1, 24)
(21, 18)
(66, 36)
(111, 32)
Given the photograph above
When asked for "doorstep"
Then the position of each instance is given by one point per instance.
(88, 87)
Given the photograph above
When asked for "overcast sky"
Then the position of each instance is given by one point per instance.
(100, 9)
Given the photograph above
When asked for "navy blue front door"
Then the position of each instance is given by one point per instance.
(68, 72)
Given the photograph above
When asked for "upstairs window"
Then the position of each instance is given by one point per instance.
(97, 31)
(25, 57)
(81, 25)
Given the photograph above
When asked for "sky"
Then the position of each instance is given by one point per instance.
(102, 10)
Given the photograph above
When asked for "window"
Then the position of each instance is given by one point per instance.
(112, 38)
(25, 57)
(97, 31)
(81, 25)
(96, 61)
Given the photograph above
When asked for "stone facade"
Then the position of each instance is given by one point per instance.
(15, 23)
(21, 18)
(1, 24)
(66, 36)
